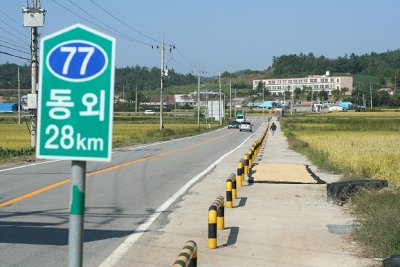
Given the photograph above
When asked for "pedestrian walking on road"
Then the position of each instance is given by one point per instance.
(273, 128)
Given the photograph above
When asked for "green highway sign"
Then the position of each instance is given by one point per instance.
(76, 95)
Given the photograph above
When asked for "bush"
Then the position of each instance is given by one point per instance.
(7, 153)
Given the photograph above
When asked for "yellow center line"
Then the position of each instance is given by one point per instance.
(60, 183)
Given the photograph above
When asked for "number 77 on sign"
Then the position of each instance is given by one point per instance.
(76, 93)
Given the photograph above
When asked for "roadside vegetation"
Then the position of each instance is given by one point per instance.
(128, 130)
(359, 146)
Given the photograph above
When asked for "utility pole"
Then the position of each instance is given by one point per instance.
(220, 96)
(263, 105)
(123, 92)
(19, 98)
(198, 97)
(34, 18)
(162, 84)
(395, 89)
(206, 111)
(230, 98)
(364, 103)
(235, 103)
(136, 99)
(370, 93)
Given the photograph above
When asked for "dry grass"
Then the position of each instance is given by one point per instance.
(359, 154)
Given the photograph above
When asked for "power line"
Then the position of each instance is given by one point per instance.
(12, 43)
(127, 25)
(9, 47)
(112, 29)
(5, 14)
(101, 27)
(8, 54)
(179, 64)
(179, 52)
(128, 19)
(23, 34)
(16, 37)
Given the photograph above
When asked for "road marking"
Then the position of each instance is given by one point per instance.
(113, 259)
(65, 181)
(29, 165)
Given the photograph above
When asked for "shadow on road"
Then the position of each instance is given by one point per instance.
(233, 235)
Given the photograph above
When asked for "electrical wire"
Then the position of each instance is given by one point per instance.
(128, 19)
(112, 29)
(122, 22)
(10, 33)
(9, 47)
(12, 43)
(101, 27)
(179, 52)
(15, 29)
(125, 36)
(5, 14)
(12, 55)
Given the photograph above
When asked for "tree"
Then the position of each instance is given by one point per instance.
(337, 94)
(382, 81)
(260, 87)
(323, 95)
(297, 93)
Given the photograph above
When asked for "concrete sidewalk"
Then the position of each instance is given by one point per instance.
(270, 224)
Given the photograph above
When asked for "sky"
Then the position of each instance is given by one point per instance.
(214, 35)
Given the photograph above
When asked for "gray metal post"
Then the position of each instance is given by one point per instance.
(19, 98)
(136, 99)
(230, 98)
(220, 99)
(77, 211)
(162, 85)
(198, 100)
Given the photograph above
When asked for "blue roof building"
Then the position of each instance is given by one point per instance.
(8, 107)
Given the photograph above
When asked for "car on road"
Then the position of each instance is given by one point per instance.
(233, 125)
(149, 111)
(246, 126)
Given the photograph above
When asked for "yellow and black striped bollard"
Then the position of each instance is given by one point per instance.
(246, 164)
(234, 188)
(188, 256)
(229, 201)
(215, 221)
(239, 173)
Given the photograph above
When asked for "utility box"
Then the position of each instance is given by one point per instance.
(32, 101)
(33, 17)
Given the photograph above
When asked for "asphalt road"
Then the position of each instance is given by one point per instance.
(120, 197)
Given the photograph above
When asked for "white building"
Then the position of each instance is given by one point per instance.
(316, 82)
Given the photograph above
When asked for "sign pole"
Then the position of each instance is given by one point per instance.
(75, 119)
(77, 210)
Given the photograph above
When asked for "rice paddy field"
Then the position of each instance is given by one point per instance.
(359, 145)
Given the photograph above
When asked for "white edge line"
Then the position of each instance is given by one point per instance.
(30, 165)
(119, 252)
